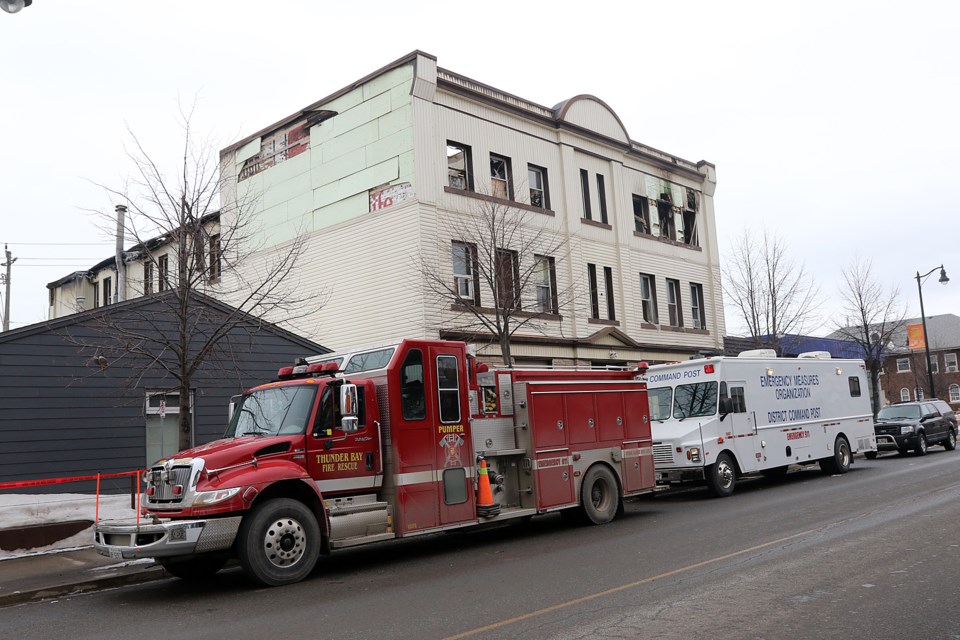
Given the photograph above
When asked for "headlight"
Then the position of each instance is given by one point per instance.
(206, 498)
(906, 430)
(693, 454)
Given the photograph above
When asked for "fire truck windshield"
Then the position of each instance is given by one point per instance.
(271, 412)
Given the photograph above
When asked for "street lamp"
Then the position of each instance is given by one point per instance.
(923, 318)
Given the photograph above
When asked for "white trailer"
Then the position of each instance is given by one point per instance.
(719, 418)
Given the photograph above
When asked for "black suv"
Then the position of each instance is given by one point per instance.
(915, 425)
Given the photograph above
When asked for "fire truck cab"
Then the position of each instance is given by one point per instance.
(355, 448)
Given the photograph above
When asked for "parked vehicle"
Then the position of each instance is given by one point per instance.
(365, 447)
(719, 418)
(915, 426)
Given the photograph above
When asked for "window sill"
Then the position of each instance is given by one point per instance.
(507, 203)
(609, 323)
(594, 223)
(676, 243)
(667, 327)
(519, 313)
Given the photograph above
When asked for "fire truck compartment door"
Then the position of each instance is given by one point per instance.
(340, 461)
(554, 474)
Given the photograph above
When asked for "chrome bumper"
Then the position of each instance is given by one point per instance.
(127, 540)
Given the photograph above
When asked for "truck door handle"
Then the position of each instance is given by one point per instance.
(369, 459)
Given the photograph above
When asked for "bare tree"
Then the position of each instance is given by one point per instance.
(193, 245)
(503, 280)
(873, 315)
(773, 294)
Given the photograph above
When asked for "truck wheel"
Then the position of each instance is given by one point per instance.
(722, 476)
(951, 442)
(599, 496)
(279, 542)
(194, 569)
(870, 455)
(920, 448)
(840, 461)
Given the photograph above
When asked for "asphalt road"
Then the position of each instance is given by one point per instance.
(871, 554)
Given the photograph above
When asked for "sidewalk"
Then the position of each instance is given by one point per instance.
(58, 574)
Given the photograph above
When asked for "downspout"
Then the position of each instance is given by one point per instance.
(121, 267)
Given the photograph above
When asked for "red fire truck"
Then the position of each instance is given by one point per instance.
(389, 443)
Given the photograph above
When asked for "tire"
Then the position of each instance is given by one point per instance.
(194, 569)
(870, 455)
(279, 542)
(951, 442)
(722, 476)
(776, 473)
(920, 449)
(841, 459)
(599, 495)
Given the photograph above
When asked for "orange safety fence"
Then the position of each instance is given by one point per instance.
(40, 482)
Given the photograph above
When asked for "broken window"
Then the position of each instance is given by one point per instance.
(668, 227)
(537, 177)
(546, 281)
(465, 272)
(500, 177)
(690, 235)
(648, 298)
(459, 166)
(696, 306)
(641, 214)
(673, 303)
(277, 147)
(602, 197)
(585, 192)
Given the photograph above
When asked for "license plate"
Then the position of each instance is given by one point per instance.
(116, 554)
(178, 534)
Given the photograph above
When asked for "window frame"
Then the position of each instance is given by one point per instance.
(954, 392)
(585, 193)
(216, 256)
(408, 401)
(441, 390)
(608, 288)
(903, 361)
(934, 363)
(904, 395)
(472, 276)
(641, 218)
(467, 170)
(854, 384)
(512, 260)
(697, 311)
(107, 291)
(96, 295)
(147, 277)
(602, 198)
(163, 272)
(648, 306)
(674, 307)
(546, 270)
(950, 368)
(544, 188)
(594, 293)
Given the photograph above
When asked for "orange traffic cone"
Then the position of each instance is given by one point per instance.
(486, 507)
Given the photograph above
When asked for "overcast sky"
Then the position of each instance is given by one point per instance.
(833, 124)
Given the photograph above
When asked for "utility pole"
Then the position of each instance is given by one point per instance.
(6, 295)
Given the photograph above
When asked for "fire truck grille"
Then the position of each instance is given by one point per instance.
(662, 454)
(163, 486)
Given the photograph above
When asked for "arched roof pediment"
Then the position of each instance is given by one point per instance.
(592, 113)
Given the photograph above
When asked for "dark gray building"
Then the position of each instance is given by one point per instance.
(78, 396)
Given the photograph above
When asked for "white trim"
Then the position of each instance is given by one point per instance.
(348, 484)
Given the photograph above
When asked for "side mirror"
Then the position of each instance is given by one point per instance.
(726, 407)
(349, 408)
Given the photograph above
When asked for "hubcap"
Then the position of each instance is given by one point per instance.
(284, 542)
(598, 494)
(923, 443)
(725, 472)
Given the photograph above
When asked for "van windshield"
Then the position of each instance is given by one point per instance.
(695, 400)
(660, 400)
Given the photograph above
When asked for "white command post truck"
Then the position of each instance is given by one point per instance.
(716, 419)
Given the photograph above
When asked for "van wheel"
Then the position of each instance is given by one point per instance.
(870, 455)
(722, 476)
(920, 448)
(599, 496)
(951, 442)
(279, 542)
(839, 462)
(194, 569)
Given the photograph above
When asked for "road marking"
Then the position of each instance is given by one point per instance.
(623, 587)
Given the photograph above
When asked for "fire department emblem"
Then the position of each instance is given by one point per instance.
(451, 444)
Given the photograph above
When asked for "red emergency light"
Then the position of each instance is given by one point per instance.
(708, 368)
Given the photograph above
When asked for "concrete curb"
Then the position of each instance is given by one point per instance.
(78, 587)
